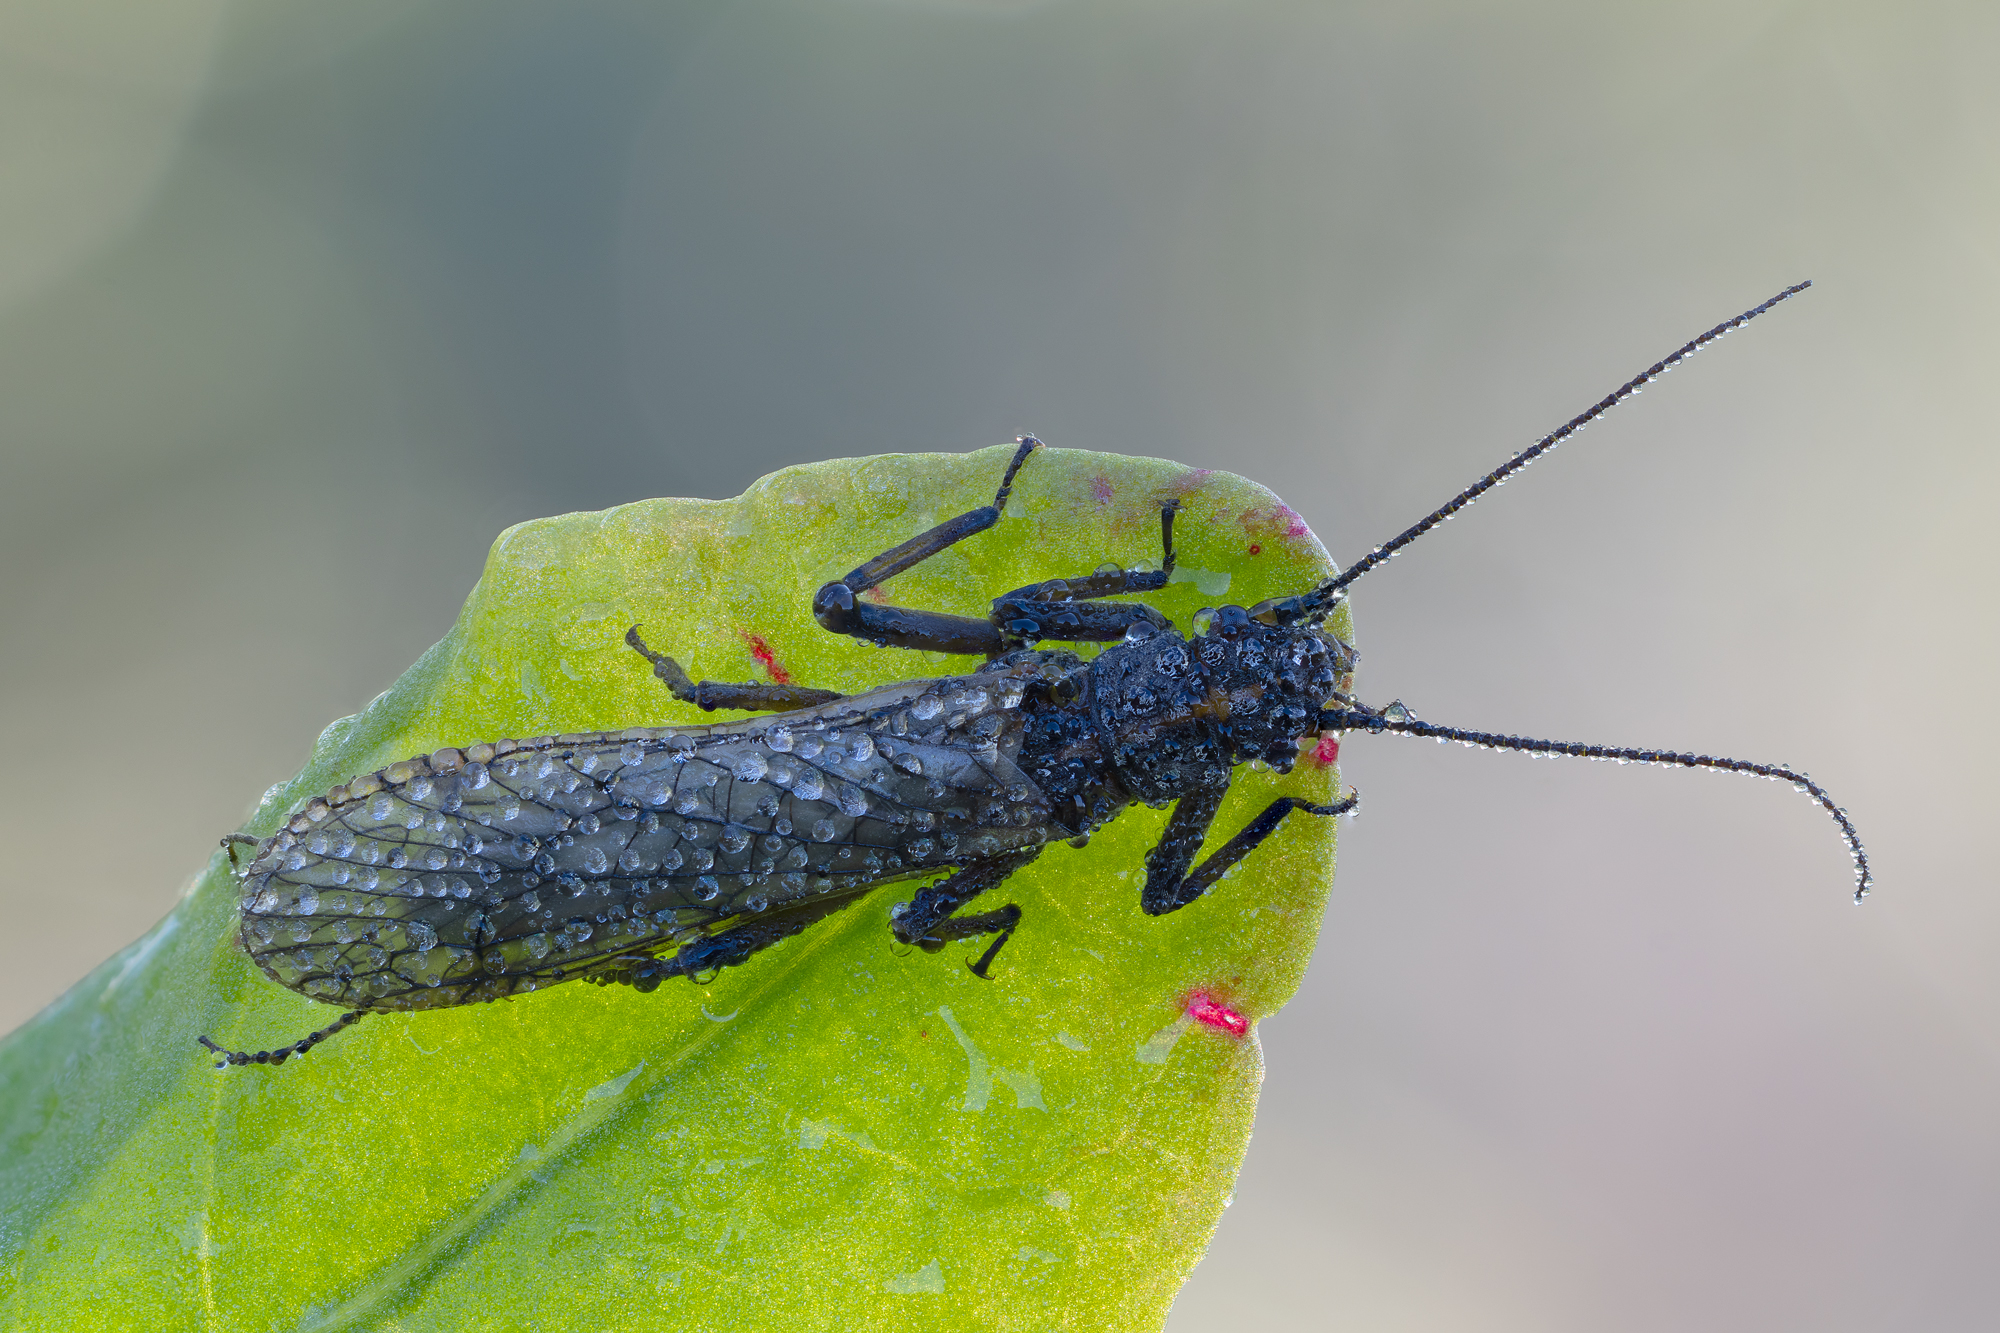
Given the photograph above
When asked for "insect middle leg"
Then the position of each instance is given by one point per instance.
(1170, 885)
(928, 920)
(1052, 609)
(838, 607)
(705, 957)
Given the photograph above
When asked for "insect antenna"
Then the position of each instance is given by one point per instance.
(1398, 719)
(1315, 606)
(279, 1056)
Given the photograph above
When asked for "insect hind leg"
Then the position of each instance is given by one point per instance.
(282, 1053)
(709, 695)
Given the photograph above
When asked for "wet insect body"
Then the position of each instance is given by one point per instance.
(631, 857)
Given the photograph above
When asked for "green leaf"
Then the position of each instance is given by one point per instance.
(840, 1134)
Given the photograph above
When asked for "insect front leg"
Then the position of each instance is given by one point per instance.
(1059, 608)
(838, 607)
(1169, 884)
(927, 920)
(709, 695)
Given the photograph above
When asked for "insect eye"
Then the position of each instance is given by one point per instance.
(1223, 621)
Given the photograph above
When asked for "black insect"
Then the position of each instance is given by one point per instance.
(634, 856)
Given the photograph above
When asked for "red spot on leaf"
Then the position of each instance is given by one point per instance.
(1327, 752)
(766, 658)
(1205, 1009)
(1256, 548)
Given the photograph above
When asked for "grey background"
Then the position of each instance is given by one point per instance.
(301, 303)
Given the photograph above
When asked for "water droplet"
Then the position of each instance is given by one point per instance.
(750, 768)
(926, 707)
(735, 840)
(537, 945)
(779, 738)
(705, 889)
(823, 830)
(853, 801)
(421, 935)
(595, 861)
(810, 786)
(861, 749)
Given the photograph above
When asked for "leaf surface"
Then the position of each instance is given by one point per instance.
(842, 1134)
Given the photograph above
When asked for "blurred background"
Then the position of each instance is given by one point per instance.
(300, 304)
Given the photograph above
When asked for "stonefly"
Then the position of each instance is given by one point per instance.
(630, 857)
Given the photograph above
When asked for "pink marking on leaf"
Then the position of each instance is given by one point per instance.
(766, 658)
(1100, 491)
(1327, 752)
(1274, 515)
(1205, 1009)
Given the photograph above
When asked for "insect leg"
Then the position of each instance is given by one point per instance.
(927, 921)
(704, 958)
(279, 1056)
(1057, 609)
(229, 841)
(837, 606)
(1158, 899)
(710, 695)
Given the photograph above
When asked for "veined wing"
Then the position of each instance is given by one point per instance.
(472, 874)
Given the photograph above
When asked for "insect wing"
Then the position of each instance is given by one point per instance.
(460, 879)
